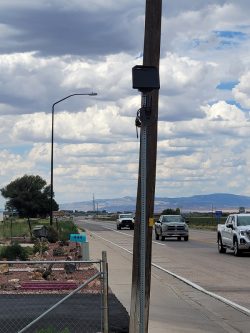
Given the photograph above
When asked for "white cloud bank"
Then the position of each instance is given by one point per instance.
(203, 131)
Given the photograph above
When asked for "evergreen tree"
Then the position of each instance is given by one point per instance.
(170, 211)
(29, 196)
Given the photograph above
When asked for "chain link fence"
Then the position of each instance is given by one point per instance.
(54, 296)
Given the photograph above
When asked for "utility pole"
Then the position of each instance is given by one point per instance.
(93, 203)
(151, 57)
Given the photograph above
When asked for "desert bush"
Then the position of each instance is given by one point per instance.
(13, 252)
(58, 251)
(65, 229)
(40, 246)
(29, 249)
(64, 237)
(52, 235)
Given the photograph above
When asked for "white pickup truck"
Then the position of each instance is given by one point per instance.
(125, 220)
(171, 226)
(234, 234)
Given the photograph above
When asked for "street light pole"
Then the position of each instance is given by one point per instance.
(52, 149)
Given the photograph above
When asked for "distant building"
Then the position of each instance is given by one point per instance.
(60, 214)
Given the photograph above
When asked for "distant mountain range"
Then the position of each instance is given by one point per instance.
(209, 202)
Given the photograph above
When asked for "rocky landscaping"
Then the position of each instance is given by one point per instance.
(48, 277)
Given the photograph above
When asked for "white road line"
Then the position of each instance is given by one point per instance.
(108, 241)
(119, 232)
(123, 233)
(188, 282)
(196, 286)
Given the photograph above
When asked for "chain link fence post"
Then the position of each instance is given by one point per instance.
(105, 292)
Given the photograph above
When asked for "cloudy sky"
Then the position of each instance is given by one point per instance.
(50, 49)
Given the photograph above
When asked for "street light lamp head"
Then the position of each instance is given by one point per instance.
(93, 94)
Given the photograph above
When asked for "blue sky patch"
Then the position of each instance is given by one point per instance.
(196, 42)
(228, 101)
(229, 85)
(20, 149)
(231, 34)
(225, 39)
(229, 39)
(233, 102)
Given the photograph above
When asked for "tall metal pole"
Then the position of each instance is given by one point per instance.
(52, 150)
(52, 166)
(94, 203)
(151, 56)
(143, 226)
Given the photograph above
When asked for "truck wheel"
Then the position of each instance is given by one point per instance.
(236, 248)
(186, 238)
(118, 227)
(162, 238)
(156, 235)
(221, 248)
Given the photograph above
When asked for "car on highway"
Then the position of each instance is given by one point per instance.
(171, 226)
(125, 220)
(234, 234)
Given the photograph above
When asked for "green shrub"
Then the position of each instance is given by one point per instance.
(40, 246)
(13, 252)
(29, 250)
(65, 229)
(52, 235)
(69, 226)
(64, 237)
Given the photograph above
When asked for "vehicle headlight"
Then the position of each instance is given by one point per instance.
(242, 233)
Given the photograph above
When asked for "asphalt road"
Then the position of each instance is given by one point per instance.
(196, 260)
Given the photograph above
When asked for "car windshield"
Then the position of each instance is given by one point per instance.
(243, 220)
(172, 218)
(125, 216)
